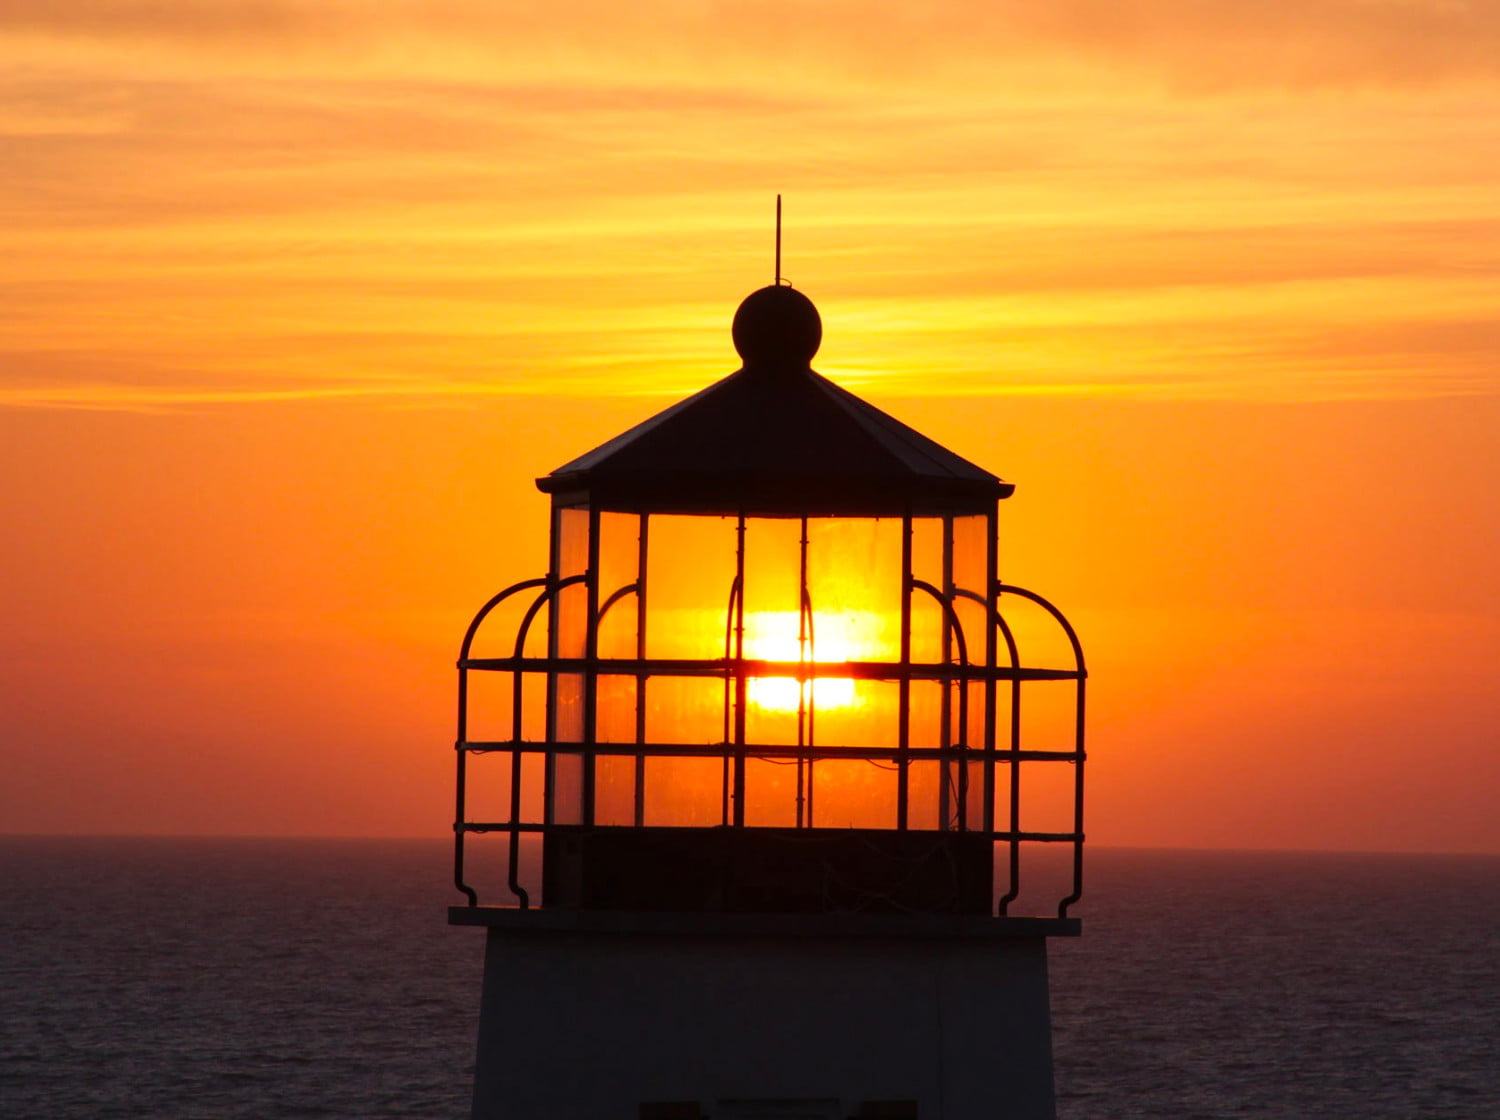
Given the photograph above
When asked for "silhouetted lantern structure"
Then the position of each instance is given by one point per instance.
(751, 773)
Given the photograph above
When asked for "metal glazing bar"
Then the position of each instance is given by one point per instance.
(903, 702)
(591, 674)
(945, 725)
(736, 591)
(642, 555)
(991, 705)
(549, 768)
(1020, 837)
(729, 667)
(805, 653)
(771, 750)
(741, 679)
(953, 632)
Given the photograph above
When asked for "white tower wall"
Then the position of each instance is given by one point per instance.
(589, 1024)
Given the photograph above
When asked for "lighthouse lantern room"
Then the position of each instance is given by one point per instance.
(742, 791)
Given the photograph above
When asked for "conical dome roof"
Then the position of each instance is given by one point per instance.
(775, 439)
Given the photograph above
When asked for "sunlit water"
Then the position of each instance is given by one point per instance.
(205, 979)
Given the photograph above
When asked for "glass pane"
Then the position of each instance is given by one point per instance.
(568, 708)
(771, 793)
(775, 712)
(971, 553)
(533, 785)
(971, 575)
(975, 803)
(572, 543)
(684, 792)
(567, 788)
(854, 794)
(614, 709)
(859, 714)
(619, 561)
(772, 587)
(689, 575)
(928, 536)
(685, 710)
(926, 714)
(972, 734)
(619, 612)
(571, 633)
(614, 790)
(922, 779)
(571, 557)
(854, 581)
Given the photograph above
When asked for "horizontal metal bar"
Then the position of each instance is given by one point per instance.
(721, 667)
(500, 826)
(752, 750)
(997, 837)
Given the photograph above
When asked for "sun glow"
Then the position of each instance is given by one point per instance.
(778, 636)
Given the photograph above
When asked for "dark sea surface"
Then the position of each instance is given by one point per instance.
(297, 978)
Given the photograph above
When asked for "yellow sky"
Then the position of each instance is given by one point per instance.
(299, 296)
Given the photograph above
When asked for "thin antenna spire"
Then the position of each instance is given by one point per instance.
(778, 241)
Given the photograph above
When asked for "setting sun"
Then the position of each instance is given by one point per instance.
(779, 636)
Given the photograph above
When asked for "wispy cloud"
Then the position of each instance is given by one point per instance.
(1204, 44)
(220, 201)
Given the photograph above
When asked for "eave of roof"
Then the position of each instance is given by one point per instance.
(778, 439)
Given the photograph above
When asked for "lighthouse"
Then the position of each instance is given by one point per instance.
(741, 786)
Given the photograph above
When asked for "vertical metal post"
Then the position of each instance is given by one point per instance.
(991, 654)
(1077, 892)
(741, 684)
(554, 613)
(903, 686)
(1013, 863)
(726, 734)
(806, 689)
(517, 733)
(947, 788)
(591, 672)
(642, 554)
(460, 744)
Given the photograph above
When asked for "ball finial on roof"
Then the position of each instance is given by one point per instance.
(777, 325)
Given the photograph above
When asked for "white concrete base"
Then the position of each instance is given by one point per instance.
(579, 1025)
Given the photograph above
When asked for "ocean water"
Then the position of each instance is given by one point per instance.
(263, 978)
(1286, 985)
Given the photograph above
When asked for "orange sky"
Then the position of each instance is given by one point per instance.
(299, 296)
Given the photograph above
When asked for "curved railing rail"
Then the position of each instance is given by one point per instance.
(1081, 676)
(954, 758)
